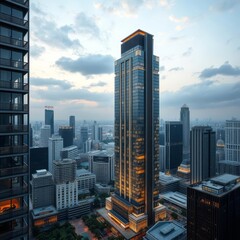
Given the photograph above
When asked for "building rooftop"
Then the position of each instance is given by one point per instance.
(64, 161)
(138, 32)
(176, 198)
(233, 163)
(101, 153)
(44, 212)
(165, 230)
(41, 173)
(83, 171)
(167, 179)
(72, 147)
(218, 186)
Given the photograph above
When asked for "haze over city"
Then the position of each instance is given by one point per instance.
(74, 45)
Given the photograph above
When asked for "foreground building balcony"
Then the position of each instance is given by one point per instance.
(14, 42)
(14, 234)
(14, 86)
(13, 128)
(9, 63)
(13, 107)
(16, 21)
(11, 213)
(24, 3)
(12, 171)
(12, 192)
(13, 149)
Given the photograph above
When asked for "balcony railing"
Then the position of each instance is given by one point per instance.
(14, 233)
(13, 128)
(13, 171)
(22, 2)
(14, 42)
(13, 149)
(15, 191)
(13, 63)
(12, 213)
(13, 107)
(14, 85)
(18, 21)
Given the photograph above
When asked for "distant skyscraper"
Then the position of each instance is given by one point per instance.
(213, 210)
(83, 135)
(202, 153)
(66, 133)
(49, 119)
(232, 140)
(174, 145)
(14, 119)
(135, 202)
(55, 145)
(45, 134)
(72, 124)
(100, 134)
(185, 119)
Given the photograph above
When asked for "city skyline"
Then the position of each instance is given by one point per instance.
(197, 44)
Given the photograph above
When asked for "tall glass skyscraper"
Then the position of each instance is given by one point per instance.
(135, 202)
(49, 119)
(14, 119)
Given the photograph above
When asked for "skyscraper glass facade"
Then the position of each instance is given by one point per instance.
(136, 132)
(49, 119)
(14, 119)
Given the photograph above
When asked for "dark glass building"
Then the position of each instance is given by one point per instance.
(203, 153)
(174, 145)
(72, 124)
(213, 210)
(135, 202)
(49, 119)
(14, 119)
(66, 133)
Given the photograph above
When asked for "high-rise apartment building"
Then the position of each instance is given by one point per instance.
(55, 145)
(202, 153)
(135, 202)
(213, 210)
(14, 119)
(185, 119)
(232, 140)
(174, 145)
(72, 124)
(49, 119)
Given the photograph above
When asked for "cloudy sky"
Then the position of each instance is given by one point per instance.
(74, 45)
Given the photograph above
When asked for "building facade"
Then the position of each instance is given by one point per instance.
(135, 202)
(185, 119)
(213, 210)
(49, 119)
(86, 180)
(14, 119)
(43, 189)
(45, 134)
(69, 152)
(202, 153)
(102, 164)
(55, 145)
(66, 133)
(232, 140)
(72, 124)
(174, 145)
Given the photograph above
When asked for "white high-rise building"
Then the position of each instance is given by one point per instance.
(55, 145)
(45, 135)
(232, 140)
(69, 152)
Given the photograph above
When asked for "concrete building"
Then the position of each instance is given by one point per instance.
(102, 188)
(232, 140)
(43, 189)
(64, 171)
(55, 145)
(14, 119)
(168, 183)
(101, 163)
(184, 169)
(69, 152)
(83, 135)
(231, 167)
(167, 230)
(213, 210)
(203, 153)
(45, 134)
(86, 180)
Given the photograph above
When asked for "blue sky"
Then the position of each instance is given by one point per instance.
(74, 45)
